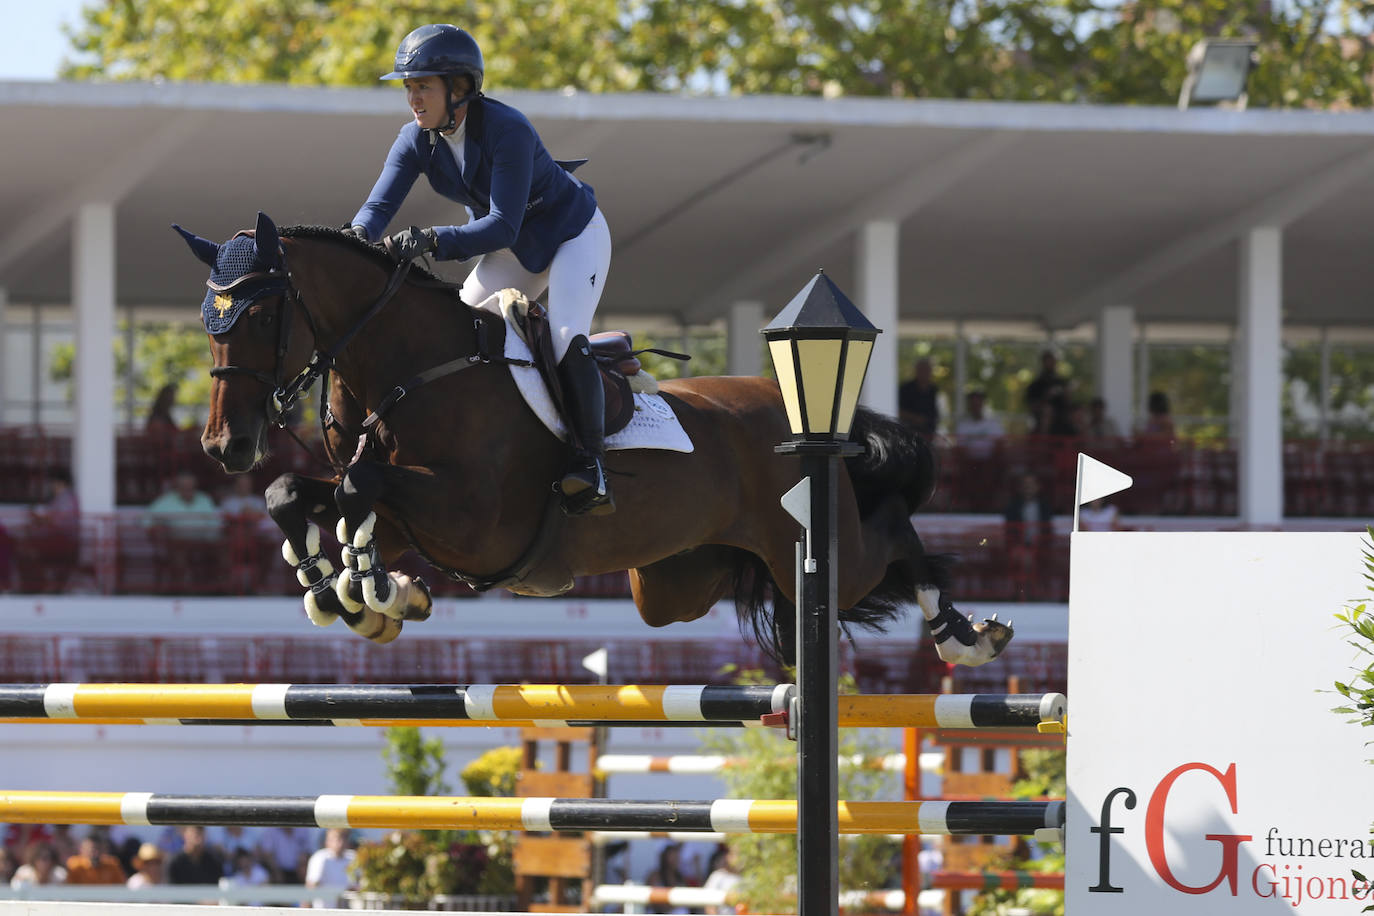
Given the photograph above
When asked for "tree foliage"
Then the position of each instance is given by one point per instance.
(1046, 775)
(1358, 625)
(1314, 53)
(768, 862)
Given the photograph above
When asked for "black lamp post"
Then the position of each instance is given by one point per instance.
(820, 344)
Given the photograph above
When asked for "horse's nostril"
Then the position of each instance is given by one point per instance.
(240, 447)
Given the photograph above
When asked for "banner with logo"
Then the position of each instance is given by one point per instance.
(1207, 773)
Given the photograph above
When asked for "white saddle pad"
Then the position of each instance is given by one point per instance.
(654, 425)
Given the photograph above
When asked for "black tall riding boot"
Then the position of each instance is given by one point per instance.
(584, 485)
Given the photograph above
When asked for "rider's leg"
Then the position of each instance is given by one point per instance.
(576, 277)
(584, 486)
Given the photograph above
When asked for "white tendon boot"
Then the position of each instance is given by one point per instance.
(959, 640)
(315, 573)
(394, 595)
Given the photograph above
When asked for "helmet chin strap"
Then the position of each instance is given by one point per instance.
(453, 106)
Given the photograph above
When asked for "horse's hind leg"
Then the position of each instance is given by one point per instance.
(682, 587)
(365, 585)
(299, 505)
(912, 572)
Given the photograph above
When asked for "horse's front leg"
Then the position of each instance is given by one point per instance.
(365, 584)
(299, 505)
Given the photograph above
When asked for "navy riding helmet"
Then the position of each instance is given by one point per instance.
(440, 50)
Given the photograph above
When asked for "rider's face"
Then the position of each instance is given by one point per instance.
(425, 96)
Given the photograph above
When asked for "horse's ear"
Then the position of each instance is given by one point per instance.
(201, 248)
(267, 241)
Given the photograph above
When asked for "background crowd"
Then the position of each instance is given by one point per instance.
(38, 854)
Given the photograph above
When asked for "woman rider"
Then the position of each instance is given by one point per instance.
(531, 224)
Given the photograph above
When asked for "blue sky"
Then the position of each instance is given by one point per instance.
(31, 43)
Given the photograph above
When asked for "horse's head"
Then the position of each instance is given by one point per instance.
(250, 317)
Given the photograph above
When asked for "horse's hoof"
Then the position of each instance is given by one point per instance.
(350, 592)
(991, 638)
(320, 617)
(385, 599)
(419, 604)
(374, 627)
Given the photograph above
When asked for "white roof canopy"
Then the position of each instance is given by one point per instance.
(1007, 210)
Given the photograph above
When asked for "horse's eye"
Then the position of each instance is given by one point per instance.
(265, 318)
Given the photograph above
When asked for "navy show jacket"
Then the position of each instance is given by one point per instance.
(518, 196)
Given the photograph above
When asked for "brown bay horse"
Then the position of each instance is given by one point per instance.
(459, 469)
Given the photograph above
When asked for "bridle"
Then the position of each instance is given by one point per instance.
(285, 394)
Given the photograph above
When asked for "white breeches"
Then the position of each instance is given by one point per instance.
(574, 280)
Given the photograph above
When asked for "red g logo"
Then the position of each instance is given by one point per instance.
(1154, 830)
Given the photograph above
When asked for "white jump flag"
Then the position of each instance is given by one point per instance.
(597, 662)
(1096, 480)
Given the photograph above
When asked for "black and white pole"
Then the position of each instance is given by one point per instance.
(820, 345)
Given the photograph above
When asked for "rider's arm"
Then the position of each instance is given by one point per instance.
(399, 172)
(511, 171)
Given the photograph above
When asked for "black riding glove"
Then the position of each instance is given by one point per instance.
(357, 232)
(411, 243)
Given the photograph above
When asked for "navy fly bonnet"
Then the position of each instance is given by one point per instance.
(242, 270)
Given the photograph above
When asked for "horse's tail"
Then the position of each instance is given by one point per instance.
(896, 459)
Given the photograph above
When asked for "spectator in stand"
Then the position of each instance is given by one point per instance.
(246, 871)
(228, 840)
(63, 842)
(918, 400)
(94, 863)
(328, 867)
(1058, 414)
(1029, 529)
(160, 422)
(245, 503)
(185, 512)
(1157, 464)
(1029, 509)
(186, 527)
(1043, 387)
(671, 873)
(978, 433)
(285, 851)
(1098, 428)
(7, 866)
(978, 474)
(197, 863)
(40, 867)
(1098, 515)
(18, 838)
(1159, 422)
(51, 546)
(147, 867)
(723, 875)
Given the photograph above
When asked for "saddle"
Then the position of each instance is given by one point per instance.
(614, 357)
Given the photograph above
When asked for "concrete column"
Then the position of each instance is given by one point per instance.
(1261, 324)
(1235, 401)
(876, 297)
(745, 346)
(1115, 363)
(93, 304)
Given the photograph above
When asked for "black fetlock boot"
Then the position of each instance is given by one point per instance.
(584, 486)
